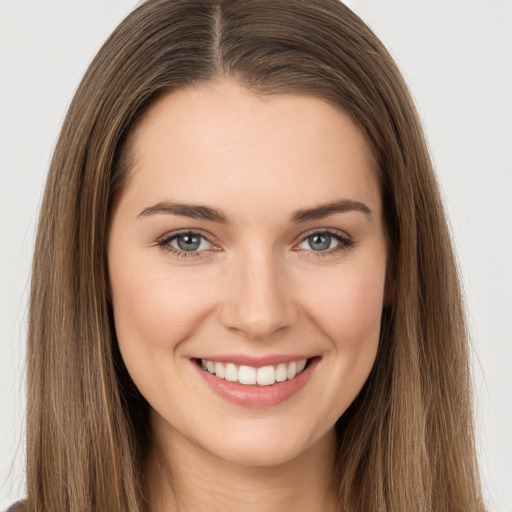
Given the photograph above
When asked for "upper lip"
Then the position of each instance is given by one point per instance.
(255, 361)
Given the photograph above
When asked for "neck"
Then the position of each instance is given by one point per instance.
(182, 477)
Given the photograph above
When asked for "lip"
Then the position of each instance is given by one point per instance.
(254, 395)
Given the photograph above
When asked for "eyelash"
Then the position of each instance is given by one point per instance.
(164, 244)
(345, 243)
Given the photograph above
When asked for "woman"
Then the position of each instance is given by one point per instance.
(244, 294)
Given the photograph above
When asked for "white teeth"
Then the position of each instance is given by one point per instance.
(266, 376)
(220, 370)
(281, 372)
(291, 371)
(248, 375)
(231, 372)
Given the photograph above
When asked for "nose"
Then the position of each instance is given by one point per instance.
(259, 299)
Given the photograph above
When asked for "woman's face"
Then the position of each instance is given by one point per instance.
(249, 240)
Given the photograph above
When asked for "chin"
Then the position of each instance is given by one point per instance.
(264, 445)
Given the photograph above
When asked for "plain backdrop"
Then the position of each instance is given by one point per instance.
(456, 56)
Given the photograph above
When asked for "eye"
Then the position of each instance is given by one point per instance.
(189, 243)
(325, 242)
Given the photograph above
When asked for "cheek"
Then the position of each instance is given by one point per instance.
(154, 312)
(348, 307)
(348, 311)
(154, 305)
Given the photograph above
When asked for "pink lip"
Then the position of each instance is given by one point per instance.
(258, 396)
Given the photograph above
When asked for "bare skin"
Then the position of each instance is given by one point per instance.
(205, 483)
(250, 229)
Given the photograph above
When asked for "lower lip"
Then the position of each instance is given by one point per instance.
(258, 396)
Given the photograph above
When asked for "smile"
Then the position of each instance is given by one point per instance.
(250, 375)
(253, 382)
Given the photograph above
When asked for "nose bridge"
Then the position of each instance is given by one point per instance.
(260, 303)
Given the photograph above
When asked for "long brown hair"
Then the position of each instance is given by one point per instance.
(406, 443)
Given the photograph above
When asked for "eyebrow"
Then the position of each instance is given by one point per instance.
(216, 215)
(186, 210)
(324, 210)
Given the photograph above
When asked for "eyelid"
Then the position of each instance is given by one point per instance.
(337, 233)
(164, 242)
(344, 239)
(331, 231)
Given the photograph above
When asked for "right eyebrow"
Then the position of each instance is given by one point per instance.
(186, 210)
(325, 210)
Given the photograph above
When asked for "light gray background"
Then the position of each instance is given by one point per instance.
(457, 58)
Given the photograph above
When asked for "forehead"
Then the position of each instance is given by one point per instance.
(220, 140)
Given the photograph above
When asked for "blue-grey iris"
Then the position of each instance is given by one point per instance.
(189, 242)
(320, 241)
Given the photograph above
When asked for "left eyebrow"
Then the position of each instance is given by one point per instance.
(324, 210)
(186, 210)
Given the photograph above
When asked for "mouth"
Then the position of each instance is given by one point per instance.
(259, 385)
(252, 375)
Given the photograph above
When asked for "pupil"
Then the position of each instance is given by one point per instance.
(188, 242)
(320, 242)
